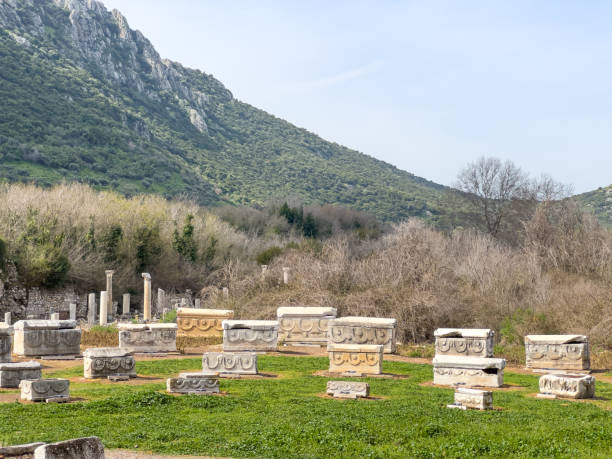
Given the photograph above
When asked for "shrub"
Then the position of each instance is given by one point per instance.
(265, 257)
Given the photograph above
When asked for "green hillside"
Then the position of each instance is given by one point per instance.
(599, 202)
(85, 98)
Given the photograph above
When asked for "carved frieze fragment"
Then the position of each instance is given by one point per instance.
(250, 335)
(46, 337)
(11, 374)
(557, 352)
(193, 383)
(304, 324)
(469, 371)
(570, 386)
(474, 398)
(201, 322)
(147, 337)
(6, 339)
(469, 342)
(108, 361)
(240, 363)
(363, 330)
(355, 358)
(348, 389)
(42, 389)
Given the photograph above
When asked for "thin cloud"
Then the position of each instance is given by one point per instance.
(331, 80)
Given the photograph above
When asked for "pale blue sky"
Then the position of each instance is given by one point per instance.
(426, 86)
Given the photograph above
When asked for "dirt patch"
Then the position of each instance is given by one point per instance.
(327, 374)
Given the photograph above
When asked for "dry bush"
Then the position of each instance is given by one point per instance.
(100, 337)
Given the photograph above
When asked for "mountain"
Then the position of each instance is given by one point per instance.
(85, 98)
(599, 202)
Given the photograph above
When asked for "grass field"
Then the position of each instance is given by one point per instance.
(284, 416)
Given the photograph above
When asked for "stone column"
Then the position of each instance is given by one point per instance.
(225, 292)
(161, 300)
(7, 318)
(109, 289)
(198, 303)
(54, 316)
(264, 269)
(286, 275)
(103, 308)
(126, 304)
(91, 309)
(147, 297)
(73, 311)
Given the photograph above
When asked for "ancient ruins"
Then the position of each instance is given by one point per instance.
(193, 383)
(41, 390)
(47, 338)
(557, 352)
(363, 330)
(250, 335)
(201, 322)
(473, 399)
(355, 359)
(11, 374)
(157, 337)
(468, 342)
(235, 363)
(6, 339)
(569, 386)
(304, 324)
(348, 389)
(108, 361)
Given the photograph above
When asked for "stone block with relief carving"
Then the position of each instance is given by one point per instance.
(363, 330)
(46, 337)
(237, 363)
(201, 322)
(355, 358)
(474, 398)
(450, 370)
(6, 339)
(147, 337)
(348, 389)
(43, 389)
(108, 361)
(570, 386)
(250, 335)
(467, 342)
(11, 374)
(557, 352)
(193, 383)
(304, 324)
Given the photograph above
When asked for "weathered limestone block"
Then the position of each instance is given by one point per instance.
(474, 398)
(471, 371)
(557, 352)
(46, 337)
(240, 363)
(348, 389)
(108, 361)
(41, 389)
(193, 383)
(469, 342)
(147, 337)
(570, 386)
(363, 330)
(6, 339)
(250, 335)
(355, 358)
(78, 448)
(11, 374)
(201, 322)
(304, 324)
(25, 451)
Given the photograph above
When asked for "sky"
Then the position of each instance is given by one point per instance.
(426, 86)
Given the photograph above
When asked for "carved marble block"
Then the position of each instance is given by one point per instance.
(474, 398)
(570, 386)
(363, 330)
(304, 324)
(46, 337)
(6, 339)
(41, 389)
(238, 363)
(201, 322)
(11, 374)
(108, 361)
(469, 342)
(472, 371)
(557, 352)
(348, 389)
(147, 337)
(355, 358)
(193, 383)
(250, 335)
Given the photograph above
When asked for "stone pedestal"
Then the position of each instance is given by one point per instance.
(201, 322)
(193, 383)
(557, 352)
(147, 337)
(108, 361)
(348, 389)
(467, 342)
(570, 386)
(469, 371)
(6, 339)
(474, 398)
(46, 337)
(91, 308)
(250, 335)
(363, 330)
(43, 389)
(11, 374)
(236, 363)
(103, 308)
(304, 325)
(355, 358)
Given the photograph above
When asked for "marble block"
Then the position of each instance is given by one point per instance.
(304, 324)
(355, 358)
(46, 337)
(570, 386)
(6, 339)
(557, 352)
(41, 389)
(201, 322)
(250, 335)
(77, 448)
(474, 398)
(348, 389)
(147, 337)
(108, 361)
(449, 370)
(470, 342)
(11, 374)
(193, 383)
(238, 363)
(363, 330)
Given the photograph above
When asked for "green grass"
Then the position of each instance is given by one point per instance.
(284, 417)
